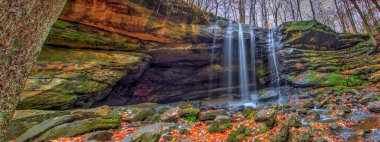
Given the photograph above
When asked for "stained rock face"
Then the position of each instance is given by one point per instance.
(130, 19)
(68, 78)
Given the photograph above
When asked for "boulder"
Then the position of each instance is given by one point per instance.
(210, 114)
(24, 120)
(59, 81)
(294, 120)
(374, 106)
(80, 127)
(99, 136)
(147, 137)
(133, 114)
(45, 126)
(171, 115)
(267, 116)
(220, 124)
(310, 35)
(189, 112)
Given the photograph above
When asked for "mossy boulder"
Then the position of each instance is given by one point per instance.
(374, 106)
(133, 114)
(238, 134)
(23, 120)
(210, 114)
(189, 112)
(220, 124)
(294, 120)
(80, 127)
(45, 126)
(171, 115)
(310, 33)
(317, 79)
(147, 137)
(268, 116)
(68, 78)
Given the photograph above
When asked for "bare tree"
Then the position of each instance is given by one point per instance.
(312, 8)
(340, 16)
(299, 9)
(24, 26)
(376, 4)
(242, 11)
(365, 23)
(350, 17)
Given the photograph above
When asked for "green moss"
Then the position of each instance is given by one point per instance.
(313, 78)
(47, 100)
(85, 40)
(189, 112)
(62, 24)
(80, 127)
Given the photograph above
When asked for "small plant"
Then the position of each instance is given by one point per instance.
(191, 118)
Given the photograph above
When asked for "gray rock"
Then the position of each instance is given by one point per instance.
(99, 136)
(267, 116)
(374, 106)
(45, 126)
(80, 127)
(294, 120)
(171, 115)
(211, 114)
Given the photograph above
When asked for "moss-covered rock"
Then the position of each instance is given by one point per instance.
(189, 112)
(238, 134)
(306, 33)
(294, 120)
(74, 35)
(133, 114)
(147, 137)
(220, 124)
(171, 115)
(312, 78)
(268, 116)
(80, 127)
(211, 114)
(67, 78)
(23, 120)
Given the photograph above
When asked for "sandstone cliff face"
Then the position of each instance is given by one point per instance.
(132, 20)
(65, 77)
(160, 57)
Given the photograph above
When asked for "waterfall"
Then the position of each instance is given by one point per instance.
(253, 58)
(212, 61)
(228, 57)
(243, 71)
(273, 61)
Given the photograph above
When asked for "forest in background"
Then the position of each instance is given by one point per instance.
(341, 15)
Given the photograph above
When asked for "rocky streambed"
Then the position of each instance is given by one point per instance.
(332, 116)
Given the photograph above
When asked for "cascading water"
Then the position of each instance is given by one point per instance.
(228, 54)
(243, 71)
(253, 59)
(212, 61)
(273, 61)
(253, 95)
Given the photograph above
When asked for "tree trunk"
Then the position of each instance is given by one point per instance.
(377, 4)
(24, 25)
(340, 16)
(242, 11)
(365, 23)
(292, 8)
(299, 9)
(370, 12)
(312, 9)
(349, 13)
